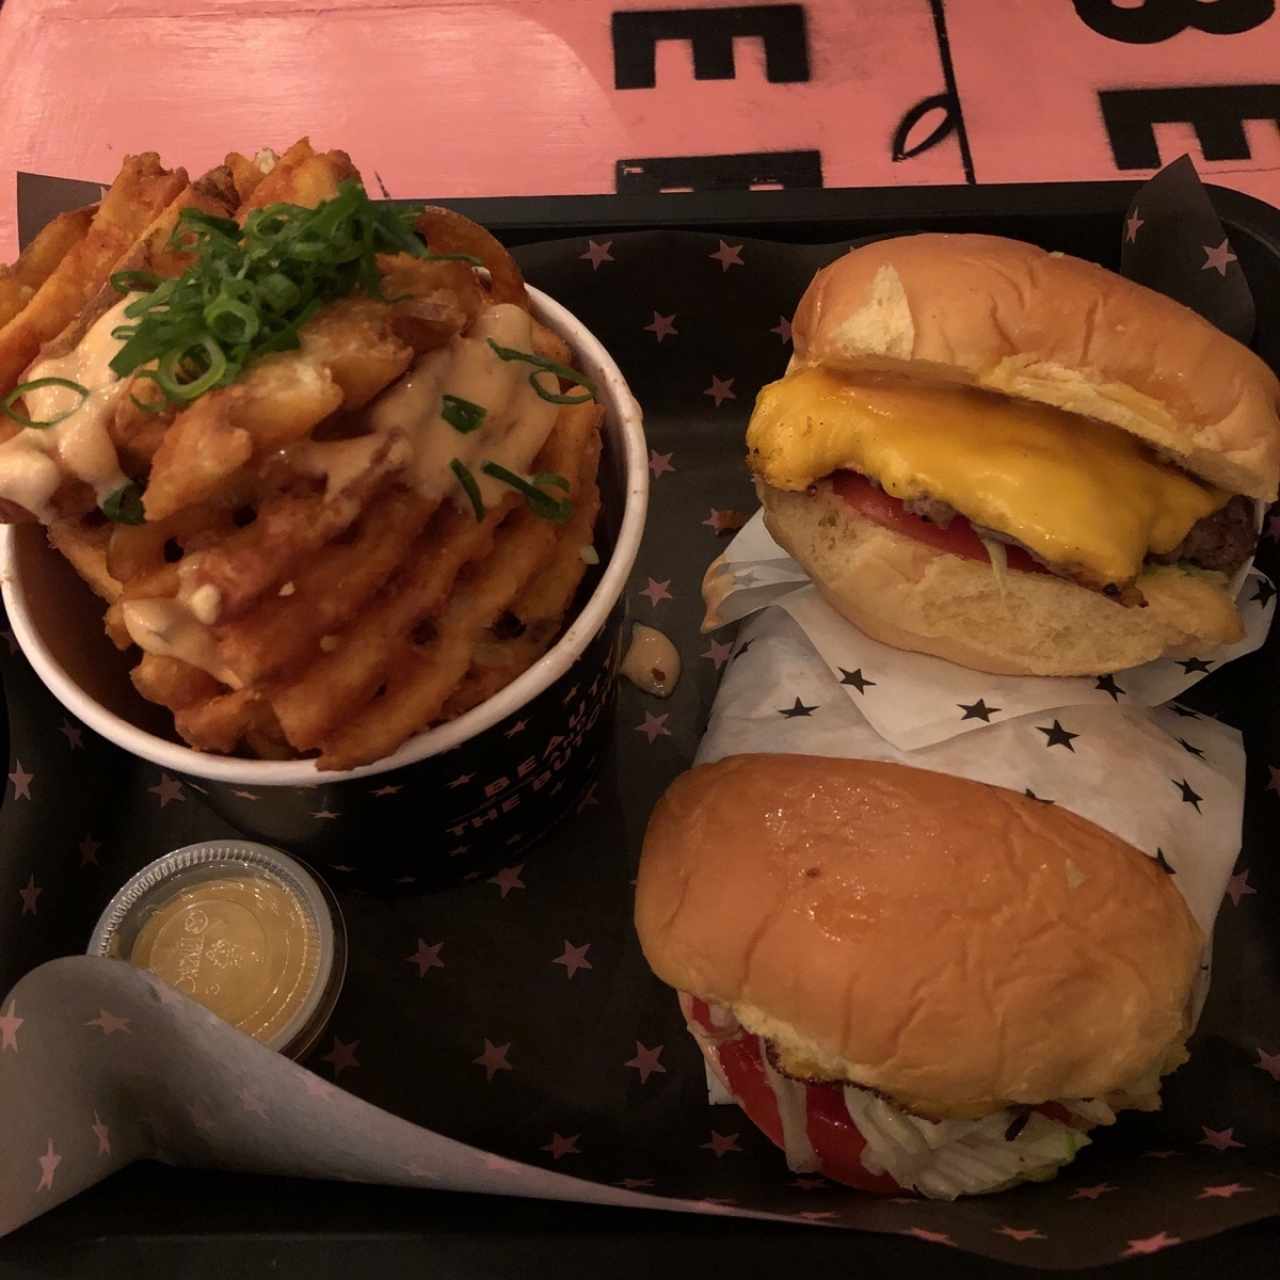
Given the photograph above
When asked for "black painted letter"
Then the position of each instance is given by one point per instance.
(711, 32)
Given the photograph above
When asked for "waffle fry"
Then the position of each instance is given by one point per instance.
(338, 544)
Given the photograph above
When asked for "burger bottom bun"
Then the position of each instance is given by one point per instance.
(908, 594)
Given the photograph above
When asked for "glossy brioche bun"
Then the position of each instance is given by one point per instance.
(956, 946)
(905, 593)
(1013, 318)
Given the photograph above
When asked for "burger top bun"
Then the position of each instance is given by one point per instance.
(956, 946)
(1012, 318)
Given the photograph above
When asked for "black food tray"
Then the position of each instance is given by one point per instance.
(159, 1221)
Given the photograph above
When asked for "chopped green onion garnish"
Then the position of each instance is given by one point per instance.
(462, 415)
(469, 486)
(556, 397)
(133, 281)
(153, 409)
(124, 506)
(551, 478)
(34, 385)
(540, 503)
(251, 289)
(542, 364)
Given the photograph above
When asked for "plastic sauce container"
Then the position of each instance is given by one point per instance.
(241, 928)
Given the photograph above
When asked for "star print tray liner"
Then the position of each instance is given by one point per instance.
(505, 1035)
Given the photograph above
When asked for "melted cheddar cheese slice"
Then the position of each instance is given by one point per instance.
(1083, 496)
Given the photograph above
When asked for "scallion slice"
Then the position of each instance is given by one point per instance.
(34, 385)
(542, 504)
(462, 415)
(543, 365)
(124, 505)
(469, 486)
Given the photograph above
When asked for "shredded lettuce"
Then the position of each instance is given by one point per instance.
(998, 554)
(949, 1158)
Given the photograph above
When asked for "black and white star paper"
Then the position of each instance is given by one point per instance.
(935, 700)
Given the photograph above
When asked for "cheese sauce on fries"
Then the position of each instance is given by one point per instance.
(34, 463)
(516, 421)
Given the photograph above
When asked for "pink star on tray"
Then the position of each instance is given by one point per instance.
(662, 327)
(1132, 225)
(573, 958)
(1020, 1234)
(721, 389)
(1219, 1139)
(48, 1163)
(646, 1062)
(560, 1147)
(108, 1023)
(782, 329)
(245, 795)
(9, 1024)
(1239, 887)
(655, 727)
(519, 727)
(167, 790)
(718, 653)
(634, 1184)
(89, 851)
(727, 256)
(426, 957)
(73, 734)
(1092, 1193)
(1218, 258)
(1223, 1192)
(657, 592)
(659, 463)
(720, 1144)
(933, 1237)
(251, 1102)
(1151, 1244)
(30, 895)
(388, 791)
(325, 815)
(342, 1056)
(508, 878)
(721, 521)
(1270, 1063)
(22, 781)
(103, 1135)
(597, 253)
(493, 1059)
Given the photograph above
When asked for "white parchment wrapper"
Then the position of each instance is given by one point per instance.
(1169, 782)
(930, 695)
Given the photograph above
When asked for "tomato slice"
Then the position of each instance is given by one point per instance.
(957, 539)
(834, 1137)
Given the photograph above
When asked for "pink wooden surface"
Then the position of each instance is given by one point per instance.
(449, 97)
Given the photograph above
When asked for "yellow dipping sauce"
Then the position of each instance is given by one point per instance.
(243, 946)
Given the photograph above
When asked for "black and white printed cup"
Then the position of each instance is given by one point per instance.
(453, 800)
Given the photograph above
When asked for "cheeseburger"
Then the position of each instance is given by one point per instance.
(911, 981)
(1014, 459)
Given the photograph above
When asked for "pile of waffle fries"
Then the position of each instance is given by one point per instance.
(322, 548)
